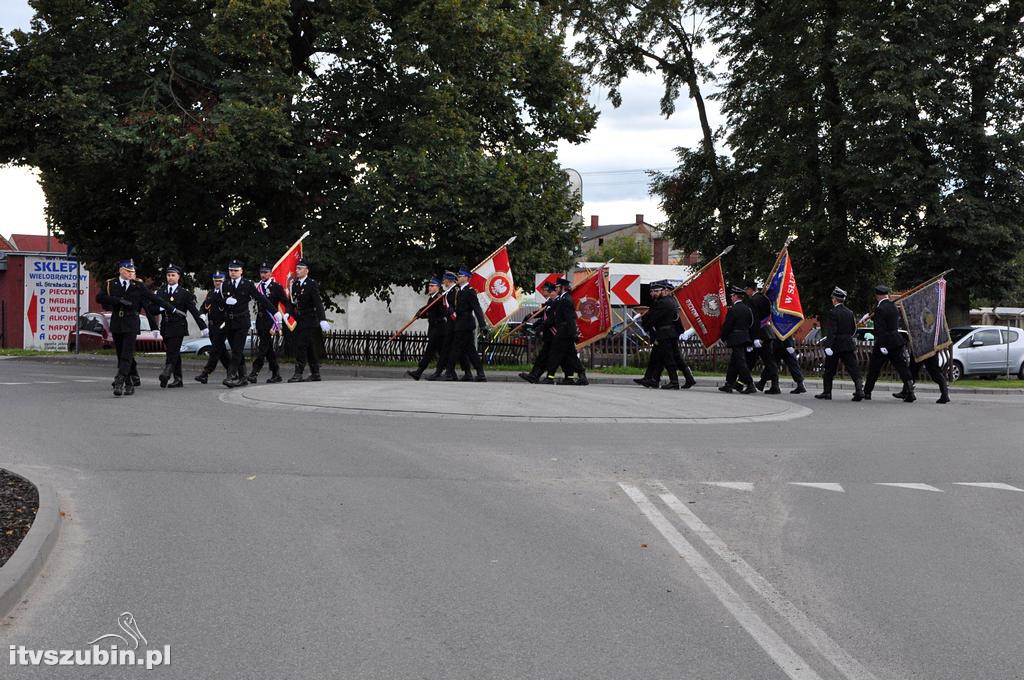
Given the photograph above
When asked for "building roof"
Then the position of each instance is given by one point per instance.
(589, 234)
(5, 244)
(35, 243)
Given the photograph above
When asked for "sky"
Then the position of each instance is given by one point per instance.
(625, 143)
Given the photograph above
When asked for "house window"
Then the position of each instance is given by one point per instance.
(600, 242)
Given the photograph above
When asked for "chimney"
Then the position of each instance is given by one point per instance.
(639, 218)
(660, 246)
(593, 221)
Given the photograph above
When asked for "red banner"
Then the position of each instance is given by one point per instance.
(284, 272)
(593, 308)
(703, 302)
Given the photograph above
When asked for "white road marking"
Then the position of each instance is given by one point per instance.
(826, 646)
(14, 383)
(92, 380)
(910, 485)
(827, 486)
(990, 485)
(791, 663)
(739, 486)
(47, 382)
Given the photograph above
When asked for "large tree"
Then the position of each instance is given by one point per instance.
(406, 136)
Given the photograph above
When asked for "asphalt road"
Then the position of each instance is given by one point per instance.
(416, 530)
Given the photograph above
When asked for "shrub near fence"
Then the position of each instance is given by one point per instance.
(373, 347)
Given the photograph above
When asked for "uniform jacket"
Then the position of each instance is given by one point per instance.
(175, 325)
(467, 306)
(546, 317)
(275, 294)
(306, 305)
(886, 328)
(561, 318)
(736, 328)
(448, 307)
(839, 328)
(125, 305)
(237, 315)
(213, 308)
(662, 319)
(761, 307)
(435, 316)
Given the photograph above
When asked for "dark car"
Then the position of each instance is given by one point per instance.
(94, 333)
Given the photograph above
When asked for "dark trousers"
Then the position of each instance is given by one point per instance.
(878, 360)
(663, 358)
(559, 355)
(305, 350)
(435, 341)
(448, 359)
(463, 345)
(738, 366)
(540, 364)
(849, 359)
(764, 354)
(782, 356)
(935, 372)
(219, 352)
(124, 346)
(236, 340)
(173, 355)
(265, 352)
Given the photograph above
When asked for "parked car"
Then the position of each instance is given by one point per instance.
(94, 333)
(202, 345)
(988, 351)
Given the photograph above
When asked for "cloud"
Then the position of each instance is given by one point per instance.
(22, 200)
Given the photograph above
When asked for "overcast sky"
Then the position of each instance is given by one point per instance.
(626, 142)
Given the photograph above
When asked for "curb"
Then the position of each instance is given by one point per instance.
(396, 372)
(27, 561)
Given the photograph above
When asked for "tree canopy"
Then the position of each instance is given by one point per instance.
(624, 250)
(405, 136)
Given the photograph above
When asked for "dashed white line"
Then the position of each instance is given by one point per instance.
(791, 663)
(827, 486)
(14, 383)
(739, 486)
(990, 485)
(910, 485)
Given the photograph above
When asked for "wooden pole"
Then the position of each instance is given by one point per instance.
(693, 277)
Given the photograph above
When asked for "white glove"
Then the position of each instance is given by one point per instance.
(864, 318)
(883, 350)
(828, 351)
(204, 318)
(791, 350)
(156, 334)
(205, 332)
(757, 344)
(231, 301)
(324, 326)
(278, 318)
(750, 349)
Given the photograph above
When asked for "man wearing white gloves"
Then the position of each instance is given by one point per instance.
(174, 324)
(839, 328)
(888, 346)
(308, 309)
(268, 324)
(760, 329)
(238, 293)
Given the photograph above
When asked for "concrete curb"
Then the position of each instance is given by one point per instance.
(27, 561)
(397, 372)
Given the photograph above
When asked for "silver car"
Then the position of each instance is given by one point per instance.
(989, 351)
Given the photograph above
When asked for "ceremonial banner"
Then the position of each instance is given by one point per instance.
(924, 317)
(787, 313)
(492, 280)
(284, 272)
(703, 301)
(593, 308)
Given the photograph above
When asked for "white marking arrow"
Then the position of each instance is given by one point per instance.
(990, 485)
(910, 485)
(739, 486)
(827, 486)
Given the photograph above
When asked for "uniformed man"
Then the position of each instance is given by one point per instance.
(433, 312)
(938, 376)
(174, 326)
(760, 336)
(267, 325)
(238, 293)
(561, 324)
(215, 316)
(467, 314)
(736, 336)
(308, 309)
(889, 345)
(840, 328)
(572, 364)
(124, 297)
(784, 351)
(660, 325)
(447, 360)
(542, 330)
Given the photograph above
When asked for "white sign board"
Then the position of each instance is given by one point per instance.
(55, 293)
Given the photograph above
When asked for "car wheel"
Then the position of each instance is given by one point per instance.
(203, 351)
(956, 371)
(1020, 373)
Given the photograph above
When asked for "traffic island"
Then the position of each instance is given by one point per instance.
(31, 523)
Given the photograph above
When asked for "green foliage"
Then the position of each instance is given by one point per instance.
(624, 250)
(407, 137)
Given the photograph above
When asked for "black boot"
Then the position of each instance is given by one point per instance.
(671, 385)
(297, 377)
(749, 389)
(943, 398)
(908, 393)
(275, 377)
(760, 384)
(119, 385)
(823, 395)
(314, 376)
(775, 387)
(177, 383)
(415, 375)
(436, 375)
(688, 380)
(728, 388)
(202, 377)
(136, 381)
(528, 377)
(858, 392)
(826, 389)
(799, 389)
(253, 377)
(129, 388)
(581, 379)
(165, 375)
(480, 377)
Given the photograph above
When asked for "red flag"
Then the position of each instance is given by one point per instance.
(593, 308)
(283, 272)
(492, 280)
(703, 302)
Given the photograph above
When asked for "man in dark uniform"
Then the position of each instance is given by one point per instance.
(784, 351)
(736, 336)
(760, 331)
(238, 293)
(935, 372)
(543, 331)
(215, 316)
(174, 326)
(660, 325)
(467, 314)
(561, 324)
(124, 297)
(446, 361)
(268, 324)
(888, 346)
(433, 312)
(840, 328)
(308, 309)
